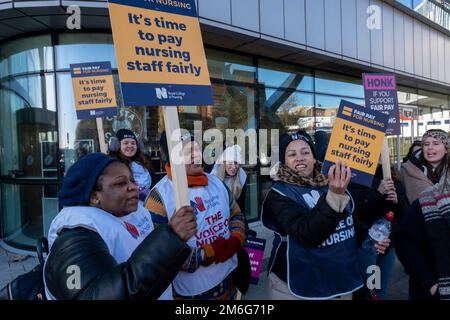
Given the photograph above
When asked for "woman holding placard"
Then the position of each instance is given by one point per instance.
(208, 272)
(314, 254)
(102, 244)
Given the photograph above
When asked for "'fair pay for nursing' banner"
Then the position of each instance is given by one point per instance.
(380, 91)
(356, 139)
(93, 90)
(160, 54)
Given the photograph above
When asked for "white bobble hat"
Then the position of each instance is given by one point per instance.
(232, 153)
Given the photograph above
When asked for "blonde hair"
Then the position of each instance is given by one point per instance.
(235, 186)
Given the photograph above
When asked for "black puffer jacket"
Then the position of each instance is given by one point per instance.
(145, 275)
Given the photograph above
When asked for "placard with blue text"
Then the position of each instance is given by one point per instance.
(380, 91)
(93, 90)
(356, 139)
(160, 54)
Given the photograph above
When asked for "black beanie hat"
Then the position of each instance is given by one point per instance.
(164, 147)
(285, 139)
(80, 179)
(124, 134)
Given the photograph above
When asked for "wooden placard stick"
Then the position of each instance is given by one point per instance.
(385, 162)
(101, 135)
(179, 178)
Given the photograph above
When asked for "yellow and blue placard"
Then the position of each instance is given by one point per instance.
(356, 139)
(93, 90)
(160, 54)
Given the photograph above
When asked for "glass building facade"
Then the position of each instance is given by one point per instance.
(437, 11)
(40, 136)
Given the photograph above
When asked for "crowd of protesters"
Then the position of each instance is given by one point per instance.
(122, 228)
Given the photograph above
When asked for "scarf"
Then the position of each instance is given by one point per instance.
(283, 173)
(193, 181)
(435, 205)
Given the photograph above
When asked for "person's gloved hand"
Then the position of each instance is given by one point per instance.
(224, 249)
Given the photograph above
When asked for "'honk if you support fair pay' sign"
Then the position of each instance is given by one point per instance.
(380, 91)
(356, 139)
(160, 54)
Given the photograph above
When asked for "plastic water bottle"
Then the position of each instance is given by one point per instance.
(380, 230)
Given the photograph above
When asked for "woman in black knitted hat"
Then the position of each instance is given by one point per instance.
(126, 147)
(314, 253)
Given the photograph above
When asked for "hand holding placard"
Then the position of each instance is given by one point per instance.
(339, 177)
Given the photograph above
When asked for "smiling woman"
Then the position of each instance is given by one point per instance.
(299, 157)
(126, 148)
(104, 232)
(312, 215)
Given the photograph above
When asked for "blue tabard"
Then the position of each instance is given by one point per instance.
(324, 272)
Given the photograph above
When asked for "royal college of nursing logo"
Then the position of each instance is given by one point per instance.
(198, 205)
(161, 93)
(131, 229)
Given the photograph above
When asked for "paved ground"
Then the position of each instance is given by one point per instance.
(9, 269)
(13, 265)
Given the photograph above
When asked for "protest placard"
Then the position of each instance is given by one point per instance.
(255, 249)
(356, 139)
(93, 90)
(380, 91)
(160, 54)
(161, 62)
